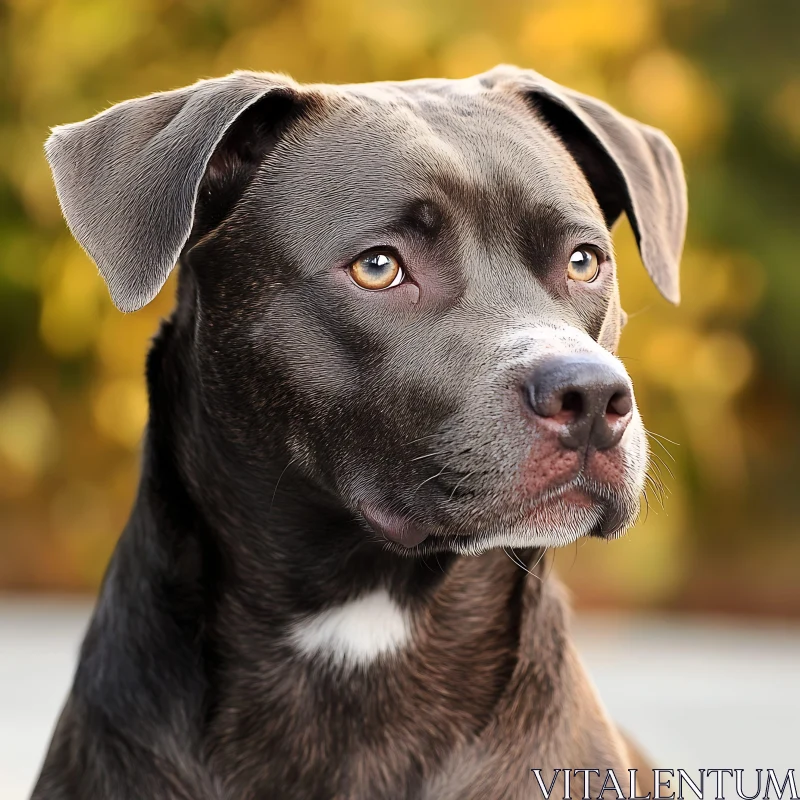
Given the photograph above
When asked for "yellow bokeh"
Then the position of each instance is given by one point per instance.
(71, 303)
(572, 32)
(28, 431)
(784, 109)
(120, 410)
(666, 90)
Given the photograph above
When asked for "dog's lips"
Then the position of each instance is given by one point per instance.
(393, 527)
(559, 509)
(572, 496)
(614, 515)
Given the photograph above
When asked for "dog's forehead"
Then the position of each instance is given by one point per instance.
(371, 150)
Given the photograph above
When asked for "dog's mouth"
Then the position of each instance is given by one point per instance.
(560, 516)
(397, 528)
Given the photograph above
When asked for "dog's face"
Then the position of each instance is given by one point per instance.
(408, 290)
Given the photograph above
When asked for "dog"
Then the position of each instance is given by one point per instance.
(387, 387)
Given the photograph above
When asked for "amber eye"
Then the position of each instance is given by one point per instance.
(377, 270)
(584, 265)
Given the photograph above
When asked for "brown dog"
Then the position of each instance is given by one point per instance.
(387, 385)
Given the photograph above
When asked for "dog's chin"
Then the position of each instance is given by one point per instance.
(552, 521)
(555, 522)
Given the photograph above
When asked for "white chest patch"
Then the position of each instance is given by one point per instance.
(356, 632)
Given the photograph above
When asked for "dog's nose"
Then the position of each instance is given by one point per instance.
(586, 399)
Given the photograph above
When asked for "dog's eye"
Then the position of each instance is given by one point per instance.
(377, 270)
(584, 265)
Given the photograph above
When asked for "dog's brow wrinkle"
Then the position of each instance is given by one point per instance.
(355, 633)
(424, 215)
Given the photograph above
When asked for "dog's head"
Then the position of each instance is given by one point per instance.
(407, 290)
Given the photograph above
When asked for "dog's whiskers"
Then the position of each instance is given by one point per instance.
(468, 475)
(656, 488)
(658, 482)
(275, 490)
(664, 464)
(515, 558)
(440, 472)
(646, 504)
(517, 561)
(539, 560)
(655, 471)
(425, 562)
(421, 438)
(655, 475)
(550, 566)
(429, 455)
(574, 556)
(664, 448)
(660, 436)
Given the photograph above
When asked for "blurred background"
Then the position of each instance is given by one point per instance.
(718, 378)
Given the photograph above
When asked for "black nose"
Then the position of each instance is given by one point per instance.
(586, 398)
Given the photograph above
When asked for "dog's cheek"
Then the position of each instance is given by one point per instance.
(611, 328)
(636, 453)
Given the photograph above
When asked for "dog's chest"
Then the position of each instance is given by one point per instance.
(357, 634)
(368, 699)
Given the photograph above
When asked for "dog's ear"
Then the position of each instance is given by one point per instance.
(128, 179)
(630, 167)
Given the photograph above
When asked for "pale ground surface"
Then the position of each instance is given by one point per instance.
(697, 693)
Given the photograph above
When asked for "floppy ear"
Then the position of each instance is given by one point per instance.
(630, 167)
(128, 178)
